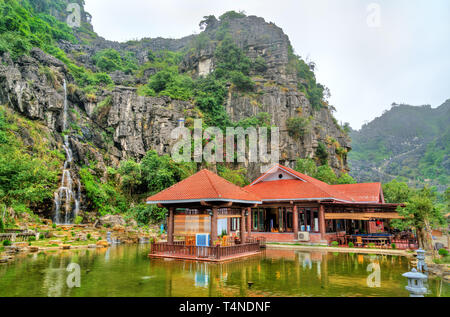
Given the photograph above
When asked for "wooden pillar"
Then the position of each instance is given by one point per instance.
(295, 221)
(170, 225)
(322, 222)
(242, 226)
(249, 221)
(214, 218)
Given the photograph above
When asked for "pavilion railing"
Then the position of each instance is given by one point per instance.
(179, 248)
(404, 244)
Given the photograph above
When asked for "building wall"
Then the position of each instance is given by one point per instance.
(285, 237)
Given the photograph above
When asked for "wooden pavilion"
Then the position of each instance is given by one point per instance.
(196, 206)
(282, 205)
(299, 208)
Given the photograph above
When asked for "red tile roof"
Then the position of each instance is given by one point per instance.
(206, 186)
(312, 189)
(366, 192)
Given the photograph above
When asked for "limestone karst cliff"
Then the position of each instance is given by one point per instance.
(111, 119)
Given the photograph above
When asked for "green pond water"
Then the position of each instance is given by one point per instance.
(127, 271)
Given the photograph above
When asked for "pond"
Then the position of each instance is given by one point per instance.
(127, 271)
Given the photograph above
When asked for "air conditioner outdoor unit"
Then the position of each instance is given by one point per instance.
(202, 240)
(303, 236)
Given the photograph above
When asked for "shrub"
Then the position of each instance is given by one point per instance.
(145, 214)
(31, 239)
(260, 64)
(78, 220)
(393, 246)
(41, 236)
(241, 81)
(371, 245)
(6, 243)
(297, 127)
(322, 154)
(54, 225)
(2, 225)
(326, 174)
(334, 244)
(110, 60)
(443, 252)
(236, 177)
(88, 236)
(231, 15)
(351, 244)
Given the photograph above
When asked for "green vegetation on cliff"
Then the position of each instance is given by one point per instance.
(30, 173)
(131, 183)
(323, 173)
(308, 84)
(22, 27)
(406, 142)
(29, 170)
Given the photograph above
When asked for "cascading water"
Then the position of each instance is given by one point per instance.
(67, 203)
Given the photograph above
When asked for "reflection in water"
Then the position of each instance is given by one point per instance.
(202, 275)
(127, 271)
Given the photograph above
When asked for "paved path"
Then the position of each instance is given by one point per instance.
(346, 250)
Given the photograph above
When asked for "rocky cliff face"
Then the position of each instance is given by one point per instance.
(127, 125)
(276, 91)
(117, 123)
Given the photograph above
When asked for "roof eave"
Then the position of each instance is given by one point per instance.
(184, 201)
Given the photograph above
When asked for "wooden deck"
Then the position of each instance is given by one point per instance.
(179, 250)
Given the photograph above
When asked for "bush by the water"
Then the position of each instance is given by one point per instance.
(351, 244)
(443, 252)
(6, 243)
(393, 246)
(334, 244)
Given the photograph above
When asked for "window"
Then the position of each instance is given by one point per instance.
(234, 224)
(261, 220)
(308, 220)
(255, 219)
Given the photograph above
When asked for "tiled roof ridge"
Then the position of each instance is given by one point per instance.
(317, 183)
(206, 172)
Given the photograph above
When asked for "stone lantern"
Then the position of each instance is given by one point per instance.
(421, 265)
(415, 285)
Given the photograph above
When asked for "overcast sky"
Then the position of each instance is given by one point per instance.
(368, 53)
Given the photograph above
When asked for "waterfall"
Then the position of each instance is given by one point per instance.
(66, 202)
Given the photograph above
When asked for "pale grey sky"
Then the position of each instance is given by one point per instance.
(404, 60)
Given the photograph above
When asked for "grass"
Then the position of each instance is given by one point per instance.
(442, 260)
